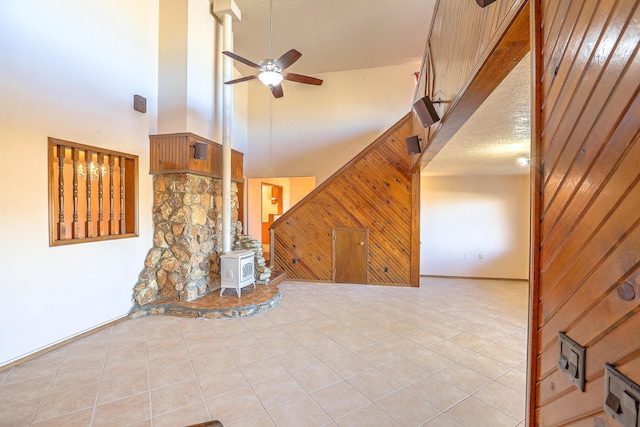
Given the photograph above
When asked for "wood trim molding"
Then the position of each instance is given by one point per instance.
(536, 188)
(30, 356)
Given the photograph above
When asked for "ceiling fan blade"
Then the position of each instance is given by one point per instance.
(288, 59)
(241, 59)
(277, 91)
(241, 79)
(299, 78)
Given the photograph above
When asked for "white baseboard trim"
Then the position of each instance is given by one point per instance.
(42, 350)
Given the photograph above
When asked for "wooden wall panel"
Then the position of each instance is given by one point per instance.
(470, 51)
(373, 191)
(173, 153)
(588, 242)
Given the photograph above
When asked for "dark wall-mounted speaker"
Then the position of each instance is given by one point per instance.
(425, 111)
(200, 151)
(413, 145)
(484, 3)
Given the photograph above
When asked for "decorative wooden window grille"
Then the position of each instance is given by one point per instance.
(93, 193)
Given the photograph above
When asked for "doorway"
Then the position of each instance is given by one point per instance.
(271, 211)
(350, 255)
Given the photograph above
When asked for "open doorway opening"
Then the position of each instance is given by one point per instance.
(272, 202)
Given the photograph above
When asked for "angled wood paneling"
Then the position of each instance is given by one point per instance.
(374, 191)
(470, 51)
(588, 242)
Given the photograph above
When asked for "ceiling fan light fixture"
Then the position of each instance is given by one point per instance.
(270, 78)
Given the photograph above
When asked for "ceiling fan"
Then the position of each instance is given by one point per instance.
(272, 72)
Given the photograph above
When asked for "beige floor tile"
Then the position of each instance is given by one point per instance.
(262, 370)
(429, 360)
(377, 355)
(222, 382)
(485, 365)
(374, 384)
(403, 371)
(315, 377)
(269, 333)
(336, 330)
(23, 391)
(438, 392)
(515, 379)
(124, 367)
(443, 330)
(278, 391)
(298, 327)
(464, 378)
(122, 412)
(340, 399)
(503, 398)
(79, 418)
(451, 350)
(204, 347)
(487, 333)
(241, 340)
(407, 409)
(368, 416)
(250, 354)
(228, 327)
(212, 363)
(234, 406)
(503, 354)
(199, 334)
(121, 387)
(470, 341)
(327, 350)
(165, 344)
(259, 420)
(280, 345)
(423, 337)
(348, 365)
(171, 374)
(299, 413)
(306, 339)
(19, 413)
(297, 359)
(76, 377)
(379, 334)
(473, 412)
(354, 341)
(34, 369)
(68, 400)
(402, 346)
(188, 415)
(175, 396)
(162, 359)
(443, 420)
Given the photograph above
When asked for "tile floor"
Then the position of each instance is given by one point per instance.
(450, 353)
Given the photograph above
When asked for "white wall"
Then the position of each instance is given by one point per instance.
(69, 69)
(475, 216)
(317, 129)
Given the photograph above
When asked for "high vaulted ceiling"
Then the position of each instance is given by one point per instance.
(334, 35)
(338, 35)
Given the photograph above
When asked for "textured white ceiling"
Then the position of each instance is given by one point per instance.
(334, 35)
(495, 136)
(338, 35)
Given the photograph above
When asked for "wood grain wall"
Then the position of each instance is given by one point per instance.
(373, 191)
(587, 115)
(470, 51)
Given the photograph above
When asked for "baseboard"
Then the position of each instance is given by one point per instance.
(473, 278)
(39, 352)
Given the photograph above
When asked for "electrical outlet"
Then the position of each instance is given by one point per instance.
(621, 397)
(480, 256)
(571, 360)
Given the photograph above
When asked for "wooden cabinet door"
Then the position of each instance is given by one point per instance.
(350, 251)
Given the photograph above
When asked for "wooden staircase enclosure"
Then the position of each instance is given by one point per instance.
(375, 191)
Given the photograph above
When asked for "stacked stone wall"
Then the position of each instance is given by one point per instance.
(184, 260)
